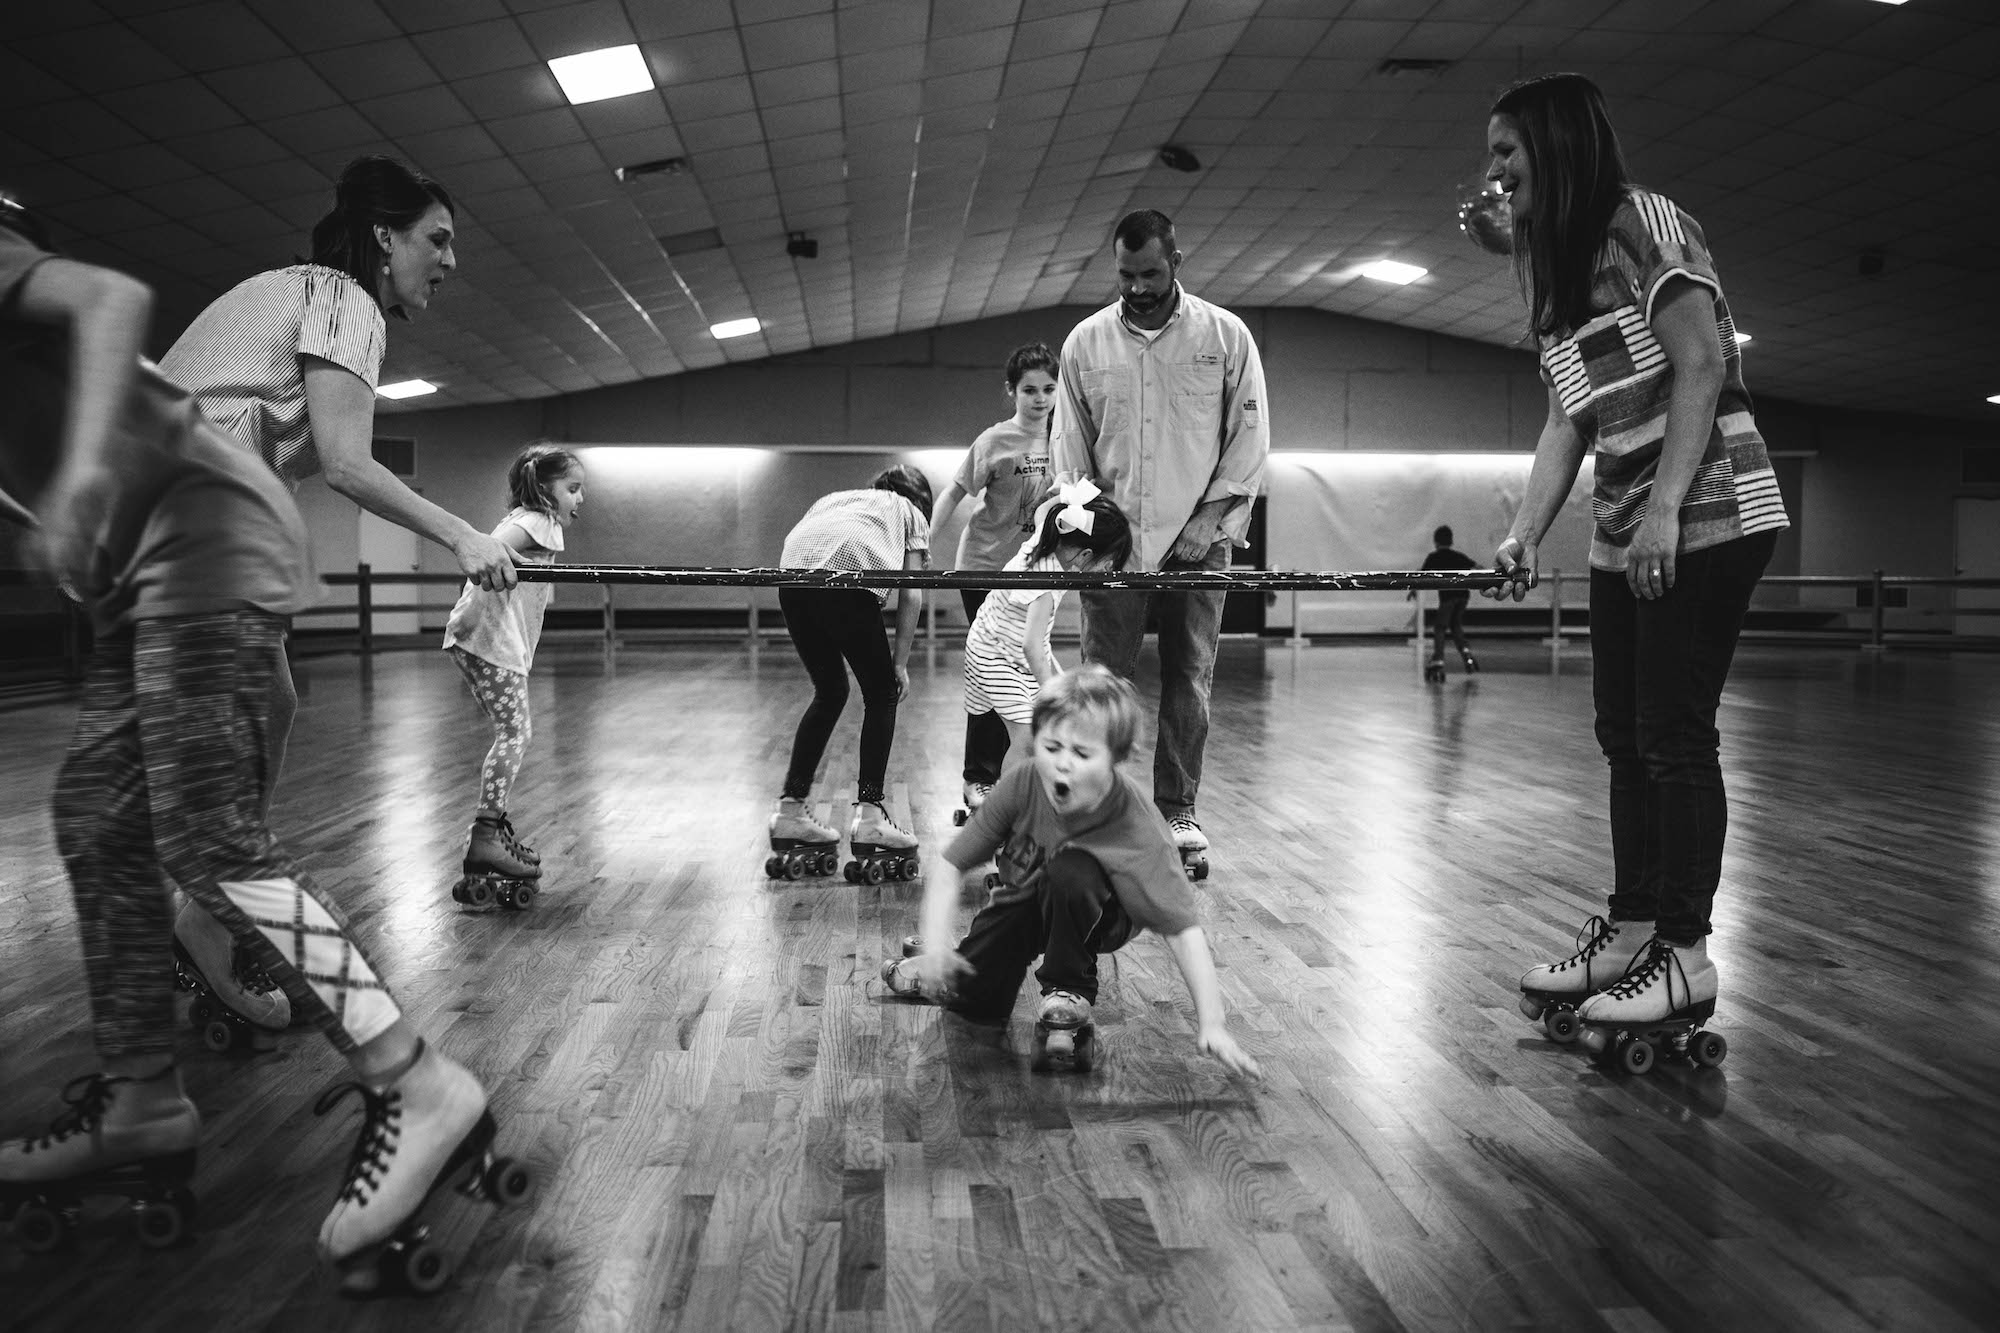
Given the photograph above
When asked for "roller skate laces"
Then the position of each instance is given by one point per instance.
(1654, 989)
(86, 1098)
(1575, 972)
(514, 843)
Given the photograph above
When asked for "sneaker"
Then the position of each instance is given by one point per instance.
(413, 1132)
(1605, 951)
(204, 947)
(1667, 980)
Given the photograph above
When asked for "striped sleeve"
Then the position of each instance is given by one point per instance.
(341, 324)
(1659, 241)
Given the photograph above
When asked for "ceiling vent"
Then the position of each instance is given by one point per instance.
(659, 166)
(1398, 66)
(692, 242)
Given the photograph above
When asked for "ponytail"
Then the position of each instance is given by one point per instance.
(531, 480)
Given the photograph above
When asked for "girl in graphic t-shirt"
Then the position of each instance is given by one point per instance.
(492, 637)
(1643, 367)
(1007, 467)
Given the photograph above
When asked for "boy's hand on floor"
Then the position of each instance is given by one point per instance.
(938, 970)
(1217, 1042)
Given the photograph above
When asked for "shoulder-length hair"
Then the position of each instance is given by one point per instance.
(1579, 180)
(373, 191)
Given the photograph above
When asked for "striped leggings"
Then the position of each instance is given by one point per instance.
(168, 776)
(503, 697)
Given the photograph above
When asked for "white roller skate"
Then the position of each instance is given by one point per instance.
(426, 1129)
(800, 844)
(1065, 1037)
(236, 1003)
(971, 798)
(495, 869)
(882, 850)
(1192, 844)
(1656, 1009)
(1605, 950)
(120, 1136)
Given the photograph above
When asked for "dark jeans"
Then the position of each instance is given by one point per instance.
(1114, 630)
(1071, 916)
(1449, 623)
(1657, 673)
(833, 629)
(986, 737)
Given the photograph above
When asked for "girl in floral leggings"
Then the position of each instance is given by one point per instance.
(492, 637)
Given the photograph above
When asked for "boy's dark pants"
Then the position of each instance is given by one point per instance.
(1071, 919)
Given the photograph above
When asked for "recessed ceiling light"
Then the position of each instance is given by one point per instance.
(593, 76)
(734, 328)
(1742, 337)
(1388, 270)
(1994, 399)
(406, 389)
(1889, 2)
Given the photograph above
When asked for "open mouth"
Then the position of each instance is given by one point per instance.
(1061, 789)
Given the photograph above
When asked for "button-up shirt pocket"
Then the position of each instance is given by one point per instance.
(1197, 400)
(1109, 394)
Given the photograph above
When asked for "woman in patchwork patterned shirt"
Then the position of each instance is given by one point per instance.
(1642, 364)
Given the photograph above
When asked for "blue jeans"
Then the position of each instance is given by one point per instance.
(1657, 670)
(1114, 630)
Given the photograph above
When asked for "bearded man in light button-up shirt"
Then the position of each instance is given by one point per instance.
(1161, 401)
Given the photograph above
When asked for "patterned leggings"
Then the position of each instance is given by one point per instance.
(503, 697)
(169, 774)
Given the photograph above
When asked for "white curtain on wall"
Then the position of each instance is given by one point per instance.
(1370, 511)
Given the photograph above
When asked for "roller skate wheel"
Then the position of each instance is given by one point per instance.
(161, 1222)
(1531, 1008)
(852, 870)
(40, 1229)
(1086, 1049)
(1635, 1056)
(507, 1181)
(1594, 1041)
(218, 1035)
(795, 868)
(829, 862)
(912, 867)
(524, 894)
(478, 892)
(1561, 1025)
(423, 1268)
(774, 867)
(1708, 1049)
(1200, 869)
(912, 945)
(992, 880)
(960, 815)
(201, 1011)
(875, 872)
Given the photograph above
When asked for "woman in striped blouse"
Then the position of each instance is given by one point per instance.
(287, 362)
(1641, 359)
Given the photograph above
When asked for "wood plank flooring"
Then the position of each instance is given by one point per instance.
(732, 1128)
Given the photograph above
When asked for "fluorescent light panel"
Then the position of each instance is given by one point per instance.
(1388, 270)
(406, 389)
(734, 328)
(1994, 398)
(592, 76)
(1742, 337)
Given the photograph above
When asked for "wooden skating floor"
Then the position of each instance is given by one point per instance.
(732, 1128)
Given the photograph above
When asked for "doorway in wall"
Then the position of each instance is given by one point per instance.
(388, 549)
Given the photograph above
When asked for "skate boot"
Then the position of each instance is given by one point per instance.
(800, 844)
(972, 798)
(1434, 670)
(881, 849)
(1065, 1037)
(1604, 952)
(1471, 662)
(522, 851)
(495, 872)
(1193, 845)
(236, 1004)
(1656, 1009)
(120, 1136)
(900, 974)
(426, 1129)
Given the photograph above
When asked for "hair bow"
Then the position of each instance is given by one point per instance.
(1073, 496)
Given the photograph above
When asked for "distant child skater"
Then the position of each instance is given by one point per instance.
(1451, 602)
(1007, 467)
(833, 629)
(1008, 657)
(1086, 861)
(492, 636)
